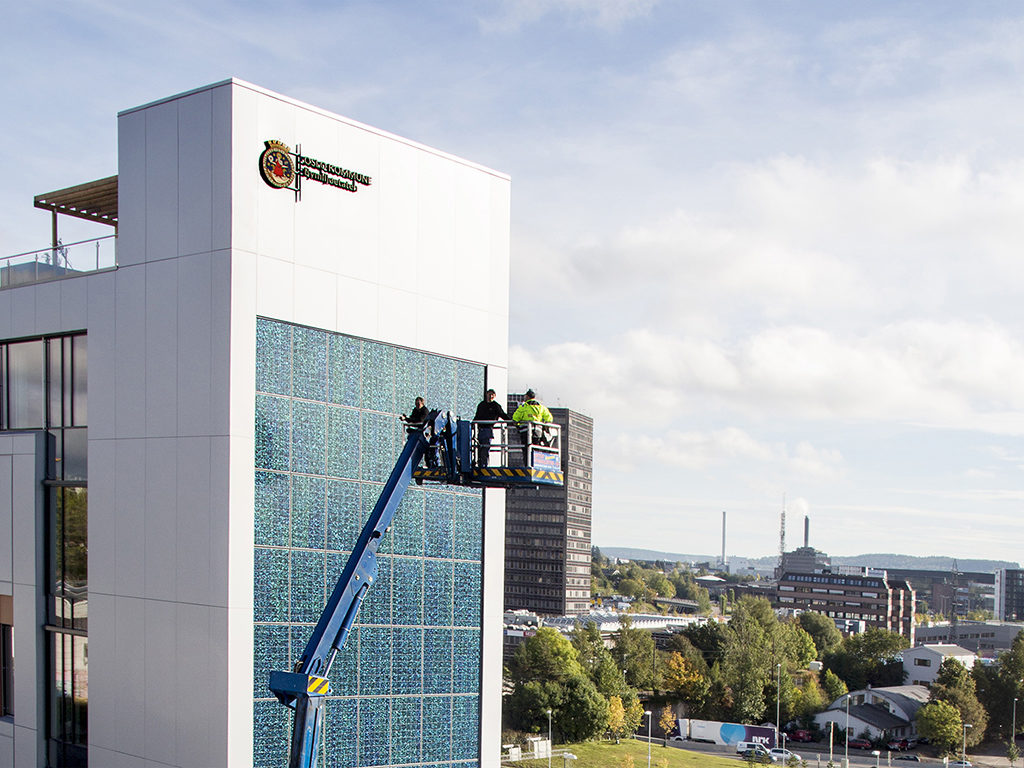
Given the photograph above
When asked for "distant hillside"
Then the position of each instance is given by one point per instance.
(931, 563)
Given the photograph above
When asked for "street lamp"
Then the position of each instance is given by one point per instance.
(566, 757)
(964, 756)
(846, 735)
(877, 754)
(549, 738)
(778, 699)
(1013, 731)
(648, 713)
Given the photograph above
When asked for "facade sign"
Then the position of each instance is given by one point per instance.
(283, 169)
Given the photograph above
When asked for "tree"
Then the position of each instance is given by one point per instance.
(810, 698)
(720, 699)
(585, 713)
(634, 653)
(798, 646)
(597, 660)
(870, 658)
(941, 723)
(616, 717)
(822, 630)
(679, 643)
(683, 679)
(746, 666)
(546, 674)
(955, 686)
(998, 685)
(667, 720)
(634, 715)
(833, 686)
(661, 585)
(527, 706)
(546, 656)
(709, 639)
(632, 588)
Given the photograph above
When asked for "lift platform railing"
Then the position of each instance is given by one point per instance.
(496, 454)
(502, 443)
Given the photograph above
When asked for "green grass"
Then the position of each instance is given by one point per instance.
(608, 754)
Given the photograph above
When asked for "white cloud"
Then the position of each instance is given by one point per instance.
(729, 446)
(953, 375)
(513, 15)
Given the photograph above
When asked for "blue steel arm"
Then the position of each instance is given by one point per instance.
(304, 688)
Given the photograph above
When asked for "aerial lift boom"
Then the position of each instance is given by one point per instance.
(446, 443)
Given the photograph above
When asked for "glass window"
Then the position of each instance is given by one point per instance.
(74, 455)
(25, 398)
(79, 382)
(6, 657)
(55, 378)
(69, 557)
(69, 699)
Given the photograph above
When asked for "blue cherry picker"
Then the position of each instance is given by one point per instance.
(454, 455)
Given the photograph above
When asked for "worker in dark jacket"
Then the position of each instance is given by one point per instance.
(418, 416)
(488, 411)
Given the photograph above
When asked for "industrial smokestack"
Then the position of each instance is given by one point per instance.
(725, 563)
(807, 529)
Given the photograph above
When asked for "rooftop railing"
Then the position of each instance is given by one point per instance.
(58, 262)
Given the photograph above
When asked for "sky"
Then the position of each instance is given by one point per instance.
(772, 248)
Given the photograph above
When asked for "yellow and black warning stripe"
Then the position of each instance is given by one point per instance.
(430, 474)
(317, 686)
(519, 472)
(511, 474)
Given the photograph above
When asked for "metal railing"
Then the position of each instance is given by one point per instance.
(503, 444)
(54, 263)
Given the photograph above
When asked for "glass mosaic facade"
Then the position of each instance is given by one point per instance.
(406, 687)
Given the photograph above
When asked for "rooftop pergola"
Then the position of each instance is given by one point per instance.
(92, 201)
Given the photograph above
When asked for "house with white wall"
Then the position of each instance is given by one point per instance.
(921, 664)
(882, 713)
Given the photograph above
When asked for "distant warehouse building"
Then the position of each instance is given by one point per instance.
(985, 638)
(845, 593)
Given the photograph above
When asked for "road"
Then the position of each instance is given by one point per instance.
(815, 754)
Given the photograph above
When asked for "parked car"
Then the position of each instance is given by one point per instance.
(745, 746)
(858, 744)
(780, 755)
(910, 756)
(899, 745)
(960, 764)
(800, 735)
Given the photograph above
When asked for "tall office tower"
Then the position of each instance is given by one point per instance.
(241, 359)
(547, 530)
(1009, 602)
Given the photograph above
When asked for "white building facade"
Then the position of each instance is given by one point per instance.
(921, 664)
(224, 402)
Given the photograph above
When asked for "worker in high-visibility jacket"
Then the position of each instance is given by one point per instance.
(531, 413)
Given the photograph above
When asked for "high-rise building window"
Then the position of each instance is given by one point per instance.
(43, 387)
